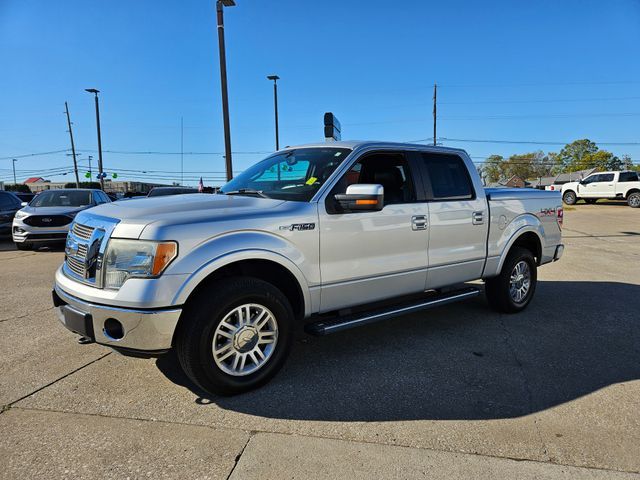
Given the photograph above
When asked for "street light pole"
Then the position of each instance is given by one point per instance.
(220, 4)
(275, 79)
(13, 163)
(100, 174)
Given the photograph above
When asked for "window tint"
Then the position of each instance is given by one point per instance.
(390, 170)
(628, 177)
(591, 179)
(6, 201)
(606, 177)
(449, 176)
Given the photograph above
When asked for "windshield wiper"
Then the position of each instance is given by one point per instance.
(246, 191)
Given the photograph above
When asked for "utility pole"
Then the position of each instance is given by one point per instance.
(181, 151)
(90, 171)
(73, 147)
(220, 4)
(13, 163)
(100, 174)
(275, 79)
(435, 94)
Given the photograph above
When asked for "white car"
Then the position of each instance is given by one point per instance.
(611, 185)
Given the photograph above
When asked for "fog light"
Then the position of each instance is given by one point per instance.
(113, 329)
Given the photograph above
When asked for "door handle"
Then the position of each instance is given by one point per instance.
(478, 218)
(419, 222)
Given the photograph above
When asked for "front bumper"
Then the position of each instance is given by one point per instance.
(139, 330)
(21, 232)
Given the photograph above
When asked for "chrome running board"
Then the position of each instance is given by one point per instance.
(337, 324)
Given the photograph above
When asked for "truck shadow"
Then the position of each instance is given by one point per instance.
(457, 362)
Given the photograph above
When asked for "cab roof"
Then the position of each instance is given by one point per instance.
(353, 144)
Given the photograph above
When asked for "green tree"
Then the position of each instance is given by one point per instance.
(572, 154)
(492, 170)
(17, 187)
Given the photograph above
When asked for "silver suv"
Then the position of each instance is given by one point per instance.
(47, 217)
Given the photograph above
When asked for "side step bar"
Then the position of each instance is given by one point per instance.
(332, 325)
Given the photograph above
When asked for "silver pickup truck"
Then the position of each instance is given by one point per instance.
(330, 236)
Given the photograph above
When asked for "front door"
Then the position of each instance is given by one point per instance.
(458, 220)
(370, 256)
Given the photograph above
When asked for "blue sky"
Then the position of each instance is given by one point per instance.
(540, 71)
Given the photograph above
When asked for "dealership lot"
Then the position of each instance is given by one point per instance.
(455, 392)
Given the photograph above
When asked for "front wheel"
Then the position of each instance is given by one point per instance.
(569, 197)
(513, 289)
(633, 200)
(235, 336)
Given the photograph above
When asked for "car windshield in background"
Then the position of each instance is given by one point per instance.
(65, 198)
(292, 175)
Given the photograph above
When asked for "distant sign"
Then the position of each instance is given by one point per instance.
(331, 127)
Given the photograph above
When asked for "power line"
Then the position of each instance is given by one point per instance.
(540, 84)
(518, 142)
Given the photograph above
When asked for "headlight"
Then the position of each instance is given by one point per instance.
(136, 258)
(20, 214)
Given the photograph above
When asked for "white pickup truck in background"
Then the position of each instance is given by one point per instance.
(610, 185)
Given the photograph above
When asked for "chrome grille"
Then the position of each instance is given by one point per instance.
(82, 231)
(82, 251)
(76, 266)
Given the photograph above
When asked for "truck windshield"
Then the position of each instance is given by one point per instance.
(292, 175)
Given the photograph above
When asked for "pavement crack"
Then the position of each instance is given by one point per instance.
(58, 379)
(508, 340)
(235, 464)
(26, 315)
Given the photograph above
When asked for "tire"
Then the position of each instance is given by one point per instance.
(590, 201)
(633, 200)
(24, 246)
(498, 289)
(203, 325)
(569, 197)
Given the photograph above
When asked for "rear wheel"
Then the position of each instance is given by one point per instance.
(513, 289)
(569, 197)
(633, 200)
(236, 335)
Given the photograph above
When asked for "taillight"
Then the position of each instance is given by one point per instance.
(560, 216)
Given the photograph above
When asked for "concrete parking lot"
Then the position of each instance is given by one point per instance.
(456, 392)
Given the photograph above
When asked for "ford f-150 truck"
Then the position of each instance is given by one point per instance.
(332, 235)
(611, 185)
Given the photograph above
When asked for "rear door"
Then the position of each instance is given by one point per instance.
(458, 219)
(372, 255)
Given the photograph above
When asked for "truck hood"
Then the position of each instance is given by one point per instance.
(134, 215)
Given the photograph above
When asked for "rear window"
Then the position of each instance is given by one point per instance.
(606, 177)
(449, 177)
(628, 177)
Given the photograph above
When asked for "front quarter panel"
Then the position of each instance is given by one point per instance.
(248, 245)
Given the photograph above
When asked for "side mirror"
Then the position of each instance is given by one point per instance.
(361, 197)
(24, 204)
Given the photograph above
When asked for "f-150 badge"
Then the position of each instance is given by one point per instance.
(298, 226)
